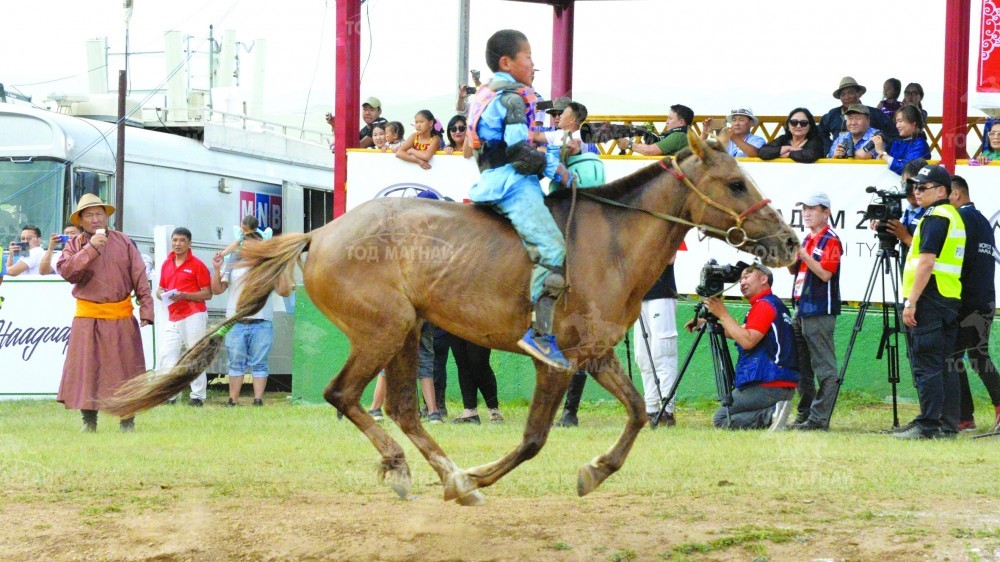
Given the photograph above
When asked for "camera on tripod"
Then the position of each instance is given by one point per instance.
(715, 276)
(888, 207)
(603, 131)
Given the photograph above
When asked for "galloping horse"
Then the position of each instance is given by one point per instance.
(380, 269)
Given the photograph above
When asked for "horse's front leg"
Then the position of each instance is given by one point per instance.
(607, 370)
(550, 387)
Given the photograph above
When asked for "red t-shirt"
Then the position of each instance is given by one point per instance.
(189, 277)
(759, 319)
(829, 260)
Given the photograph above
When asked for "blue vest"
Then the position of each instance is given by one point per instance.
(773, 358)
(819, 298)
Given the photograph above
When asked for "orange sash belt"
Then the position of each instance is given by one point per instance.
(104, 310)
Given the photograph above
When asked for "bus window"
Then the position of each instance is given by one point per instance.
(30, 193)
(95, 183)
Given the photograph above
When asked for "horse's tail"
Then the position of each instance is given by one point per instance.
(269, 263)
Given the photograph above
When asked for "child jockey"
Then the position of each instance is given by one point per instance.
(511, 168)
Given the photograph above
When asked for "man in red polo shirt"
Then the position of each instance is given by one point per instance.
(185, 285)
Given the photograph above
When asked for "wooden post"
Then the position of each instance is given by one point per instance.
(348, 100)
(120, 154)
(954, 115)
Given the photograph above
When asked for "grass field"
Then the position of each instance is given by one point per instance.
(291, 482)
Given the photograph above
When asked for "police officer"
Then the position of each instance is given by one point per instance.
(933, 287)
(978, 306)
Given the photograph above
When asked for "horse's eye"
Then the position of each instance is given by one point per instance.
(738, 186)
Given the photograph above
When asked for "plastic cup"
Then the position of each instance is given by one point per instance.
(100, 231)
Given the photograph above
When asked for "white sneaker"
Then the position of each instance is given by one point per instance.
(779, 419)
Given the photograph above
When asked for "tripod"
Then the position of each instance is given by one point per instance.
(888, 261)
(722, 363)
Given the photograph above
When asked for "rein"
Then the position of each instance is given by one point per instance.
(735, 236)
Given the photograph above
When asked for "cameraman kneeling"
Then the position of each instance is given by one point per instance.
(767, 368)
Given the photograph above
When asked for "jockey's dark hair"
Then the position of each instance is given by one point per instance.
(434, 131)
(684, 112)
(504, 43)
(959, 183)
(897, 86)
(251, 222)
(912, 115)
(182, 231)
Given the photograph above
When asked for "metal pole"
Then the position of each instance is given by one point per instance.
(348, 99)
(562, 49)
(463, 42)
(954, 116)
(120, 155)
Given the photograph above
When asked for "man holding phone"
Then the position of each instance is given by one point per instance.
(57, 242)
(737, 138)
(29, 250)
(679, 119)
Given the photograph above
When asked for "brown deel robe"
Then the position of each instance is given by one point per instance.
(102, 354)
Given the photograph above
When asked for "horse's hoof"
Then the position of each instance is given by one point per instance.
(458, 486)
(473, 499)
(398, 479)
(588, 478)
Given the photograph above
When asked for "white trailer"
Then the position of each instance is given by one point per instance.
(206, 177)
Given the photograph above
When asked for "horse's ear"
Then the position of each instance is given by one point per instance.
(699, 147)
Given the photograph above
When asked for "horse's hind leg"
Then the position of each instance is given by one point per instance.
(550, 386)
(609, 374)
(344, 393)
(401, 405)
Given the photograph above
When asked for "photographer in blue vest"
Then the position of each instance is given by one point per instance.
(816, 295)
(933, 289)
(767, 370)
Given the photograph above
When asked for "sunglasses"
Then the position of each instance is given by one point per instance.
(993, 134)
(798, 122)
(924, 187)
(457, 129)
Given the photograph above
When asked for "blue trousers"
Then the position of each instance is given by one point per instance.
(248, 346)
(525, 209)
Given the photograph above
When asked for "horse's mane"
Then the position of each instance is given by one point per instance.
(622, 187)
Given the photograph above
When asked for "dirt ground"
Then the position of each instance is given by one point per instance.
(603, 526)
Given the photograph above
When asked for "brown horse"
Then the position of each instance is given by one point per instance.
(380, 269)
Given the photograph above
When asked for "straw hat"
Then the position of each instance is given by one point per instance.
(848, 82)
(87, 201)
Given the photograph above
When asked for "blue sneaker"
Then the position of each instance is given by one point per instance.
(543, 347)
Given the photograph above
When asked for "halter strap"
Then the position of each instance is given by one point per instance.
(726, 235)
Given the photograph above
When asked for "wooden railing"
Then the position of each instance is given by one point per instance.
(770, 127)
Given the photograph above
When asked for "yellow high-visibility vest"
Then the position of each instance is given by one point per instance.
(947, 266)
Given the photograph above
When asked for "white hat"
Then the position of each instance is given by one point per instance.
(818, 198)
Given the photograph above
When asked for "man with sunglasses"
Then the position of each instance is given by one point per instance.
(933, 288)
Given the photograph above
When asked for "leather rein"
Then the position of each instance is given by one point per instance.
(735, 235)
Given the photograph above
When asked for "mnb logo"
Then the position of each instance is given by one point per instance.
(267, 209)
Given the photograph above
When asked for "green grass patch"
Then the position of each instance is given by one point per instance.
(750, 537)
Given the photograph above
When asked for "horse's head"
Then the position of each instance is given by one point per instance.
(728, 201)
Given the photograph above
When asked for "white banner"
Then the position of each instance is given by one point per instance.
(372, 174)
(35, 324)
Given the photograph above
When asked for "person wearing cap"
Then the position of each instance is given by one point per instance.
(737, 138)
(854, 142)
(932, 286)
(371, 112)
(834, 123)
(679, 118)
(105, 348)
(767, 370)
(816, 298)
(975, 318)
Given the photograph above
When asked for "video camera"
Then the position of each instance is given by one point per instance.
(714, 277)
(888, 207)
(601, 132)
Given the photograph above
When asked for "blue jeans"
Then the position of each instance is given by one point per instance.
(248, 346)
(525, 209)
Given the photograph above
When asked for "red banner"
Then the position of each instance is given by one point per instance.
(988, 78)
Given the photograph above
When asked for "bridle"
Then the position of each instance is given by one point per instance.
(735, 235)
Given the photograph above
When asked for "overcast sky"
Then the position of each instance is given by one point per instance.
(631, 56)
